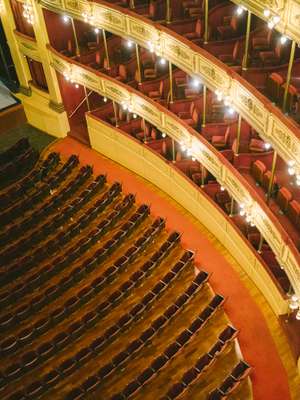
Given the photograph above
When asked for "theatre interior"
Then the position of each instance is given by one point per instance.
(150, 199)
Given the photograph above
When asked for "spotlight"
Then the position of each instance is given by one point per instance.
(271, 24)
(283, 39)
(239, 10)
(196, 83)
(291, 171)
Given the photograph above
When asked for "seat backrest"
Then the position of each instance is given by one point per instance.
(192, 107)
(152, 9)
(234, 23)
(122, 71)
(236, 50)
(227, 134)
(198, 28)
(278, 50)
(195, 116)
(277, 78)
(161, 88)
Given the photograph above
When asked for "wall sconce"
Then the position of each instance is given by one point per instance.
(267, 146)
(28, 12)
(129, 44)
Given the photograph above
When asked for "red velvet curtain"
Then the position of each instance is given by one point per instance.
(37, 74)
(21, 24)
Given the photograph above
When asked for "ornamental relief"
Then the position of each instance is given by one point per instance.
(141, 31)
(285, 139)
(252, 108)
(114, 92)
(211, 74)
(111, 19)
(72, 5)
(235, 186)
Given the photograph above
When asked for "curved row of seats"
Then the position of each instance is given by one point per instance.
(21, 189)
(16, 161)
(90, 282)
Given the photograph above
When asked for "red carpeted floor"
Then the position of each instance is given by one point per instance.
(269, 377)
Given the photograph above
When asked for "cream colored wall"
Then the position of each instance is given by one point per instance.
(41, 116)
(113, 144)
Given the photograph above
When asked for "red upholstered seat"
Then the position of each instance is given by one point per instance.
(152, 11)
(157, 94)
(184, 115)
(293, 212)
(284, 196)
(221, 141)
(231, 59)
(274, 81)
(266, 181)
(272, 57)
(257, 171)
(257, 146)
(228, 31)
(122, 73)
(197, 33)
(262, 43)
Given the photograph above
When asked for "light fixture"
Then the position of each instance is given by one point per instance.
(276, 19)
(134, 116)
(129, 44)
(162, 61)
(227, 101)
(124, 106)
(28, 12)
(283, 39)
(231, 110)
(293, 303)
(193, 158)
(291, 171)
(271, 24)
(151, 47)
(105, 99)
(240, 10)
(267, 13)
(76, 85)
(195, 83)
(222, 188)
(267, 146)
(163, 135)
(298, 315)
(66, 19)
(1, 6)
(96, 30)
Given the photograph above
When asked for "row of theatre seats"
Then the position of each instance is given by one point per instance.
(16, 161)
(284, 197)
(87, 275)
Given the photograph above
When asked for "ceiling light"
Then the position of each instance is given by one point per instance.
(267, 13)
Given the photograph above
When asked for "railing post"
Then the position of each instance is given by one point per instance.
(245, 58)
(138, 64)
(168, 11)
(75, 37)
(238, 135)
(206, 22)
(270, 188)
(106, 48)
(288, 77)
(171, 82)
(204, 106)
(116, 113)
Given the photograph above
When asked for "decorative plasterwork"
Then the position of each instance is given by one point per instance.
(224, 172)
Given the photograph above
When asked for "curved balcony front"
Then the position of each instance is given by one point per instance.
(272, 125)
(225, 173)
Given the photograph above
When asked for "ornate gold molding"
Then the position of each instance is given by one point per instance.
(268, 120)
(127, 151)
(27, 46)
(224, 172)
